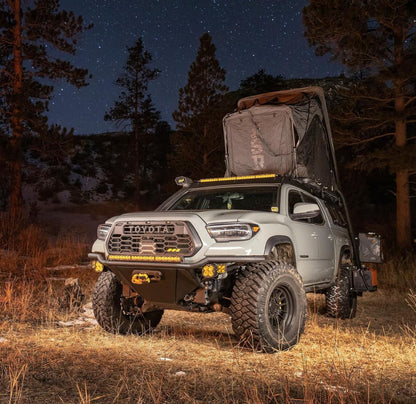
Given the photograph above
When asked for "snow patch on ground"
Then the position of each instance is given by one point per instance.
(85, 319)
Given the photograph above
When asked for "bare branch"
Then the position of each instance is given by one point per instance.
(410, 101)
(368, 139)
(378, 125)
(7, 73)
(384, 100)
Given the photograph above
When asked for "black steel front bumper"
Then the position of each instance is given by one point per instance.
(176, 280)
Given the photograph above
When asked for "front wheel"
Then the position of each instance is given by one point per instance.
(268, 306)
(108, 311)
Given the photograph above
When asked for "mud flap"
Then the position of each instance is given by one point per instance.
(364, 280)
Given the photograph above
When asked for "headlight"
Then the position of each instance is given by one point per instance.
(102, 231)
(232, 231)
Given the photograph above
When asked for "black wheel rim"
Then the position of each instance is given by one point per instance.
(280, 308)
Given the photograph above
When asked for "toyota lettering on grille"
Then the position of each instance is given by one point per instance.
(149, 229)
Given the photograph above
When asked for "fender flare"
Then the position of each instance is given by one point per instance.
(275, 240)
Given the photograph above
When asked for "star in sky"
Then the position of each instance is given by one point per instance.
(249, 35)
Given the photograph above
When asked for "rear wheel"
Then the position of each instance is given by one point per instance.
(108, 311)
(268, 306)
(341, 302)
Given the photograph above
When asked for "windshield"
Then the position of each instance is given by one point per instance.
(253, 198)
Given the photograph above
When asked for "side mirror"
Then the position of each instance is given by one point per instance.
(304, 210)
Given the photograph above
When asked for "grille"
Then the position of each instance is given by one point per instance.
(151, 239)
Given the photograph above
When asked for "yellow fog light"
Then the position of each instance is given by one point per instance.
(97, 266)
(221, 268)
(209, 271)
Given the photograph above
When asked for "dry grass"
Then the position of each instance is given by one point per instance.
(195, 358)
(26, 250)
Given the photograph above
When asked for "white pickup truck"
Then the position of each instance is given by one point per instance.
(252, 243)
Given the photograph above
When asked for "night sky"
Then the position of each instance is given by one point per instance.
(249, 35)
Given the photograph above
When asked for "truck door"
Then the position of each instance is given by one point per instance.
(314, 241)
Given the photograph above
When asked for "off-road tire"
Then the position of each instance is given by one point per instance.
(108, 312)
(341, 302)
(268, 306)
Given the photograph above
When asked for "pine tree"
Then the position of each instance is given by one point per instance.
(376, 40)
(30, 35)
(261, 82)
(134, 108)
(198, 145)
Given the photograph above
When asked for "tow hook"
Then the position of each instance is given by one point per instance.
(140, 278)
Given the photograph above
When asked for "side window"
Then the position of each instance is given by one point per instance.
(317, 219)
(297, 197)
(336, 213)
(294, 198)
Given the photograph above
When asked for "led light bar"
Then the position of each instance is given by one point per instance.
(144, 258)
(241, 178)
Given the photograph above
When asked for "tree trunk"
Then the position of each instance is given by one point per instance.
(137, 164)
(205, 153)
(15, 207)
(403, 232)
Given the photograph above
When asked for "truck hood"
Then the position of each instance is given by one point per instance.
(208, 216)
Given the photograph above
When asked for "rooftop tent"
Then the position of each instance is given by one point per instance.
(283, 132)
